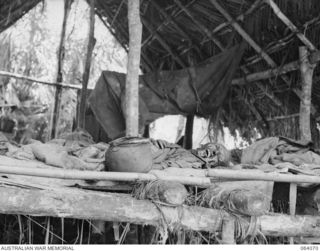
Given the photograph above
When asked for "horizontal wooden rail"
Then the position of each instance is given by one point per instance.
(31, 79)
(83, 204)
(201, 177)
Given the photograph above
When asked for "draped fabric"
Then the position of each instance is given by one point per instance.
(198, 90)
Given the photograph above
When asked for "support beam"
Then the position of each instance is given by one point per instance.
(86, 73)
(187, 142)
(228, 231)
(305, 105)
(271, 73)
(241, 17)
(290, 25)
(132, 77)
(292, 202)
(80, 204)
(61, 54)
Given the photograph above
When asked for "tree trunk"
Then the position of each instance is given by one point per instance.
(305, 105)
(86, 73)
(132, 80)
(61, 54)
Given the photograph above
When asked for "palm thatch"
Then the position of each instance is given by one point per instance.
(181, 33)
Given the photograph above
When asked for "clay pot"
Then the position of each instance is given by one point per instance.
(129, 155)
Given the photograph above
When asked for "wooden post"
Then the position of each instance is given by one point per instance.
(132, 80)
(187, 142)
(86, 73)
(306, 69)
(61, 54)
(292, 203)
(228, 231)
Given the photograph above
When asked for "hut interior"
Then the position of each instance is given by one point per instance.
(248, 65)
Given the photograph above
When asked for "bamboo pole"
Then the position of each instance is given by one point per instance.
(86, 73)
(93, 175)
(201, 177)
(82, 204)
(132, 79)
(290, 25)
(305, 105)
(40, 81)
(61, 54)
(270, 73)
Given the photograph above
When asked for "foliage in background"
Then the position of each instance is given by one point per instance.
(30, 48)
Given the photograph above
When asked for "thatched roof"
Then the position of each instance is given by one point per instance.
(180, 33)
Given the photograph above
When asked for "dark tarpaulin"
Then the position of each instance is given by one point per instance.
(198, 90)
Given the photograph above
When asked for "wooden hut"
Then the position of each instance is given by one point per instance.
(274, 89)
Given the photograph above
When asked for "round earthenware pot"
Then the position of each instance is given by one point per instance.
(129, 154)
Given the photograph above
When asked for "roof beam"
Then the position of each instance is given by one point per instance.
(293, 66)
(163, 43)
(201, 27)
(290, 25)
(244, 34)
(169, 20)
(253, 44)
(278, 45)
(252, 8)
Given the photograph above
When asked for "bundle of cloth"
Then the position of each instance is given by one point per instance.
(274, 150)
(297, 156)
(167, 155)
(74, 150)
